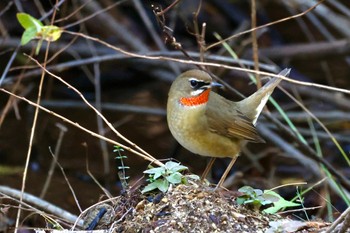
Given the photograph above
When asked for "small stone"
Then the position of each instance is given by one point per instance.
(140, 205)
(200, 195)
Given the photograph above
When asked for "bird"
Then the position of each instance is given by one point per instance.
(208, 124)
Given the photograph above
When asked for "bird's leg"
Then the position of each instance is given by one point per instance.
(228, 169)
(207, 169)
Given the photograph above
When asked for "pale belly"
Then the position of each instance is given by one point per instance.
(191, 131)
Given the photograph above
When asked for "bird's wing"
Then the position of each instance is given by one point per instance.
(225, 120)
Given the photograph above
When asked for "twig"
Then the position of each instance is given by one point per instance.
(290, 150)
(107, 193)
(68, 183)
(53, 10)
(332, 115)
(340, 24)
(112, 57)
(108, 22)
(255, 42)
(96, 111)
(149, 25)
(192, 62)
(298, 210)
(339, 220)
(84, 129)
(99, 120)
(314, 50)
(265, 25)
(44, 205)
(9, 63)
(322, 135)
(311, 153)
(105, 106)
(200, 36)
(160, 13)
(51, 171)
(335, 99)
(73, 13)
(31, 139)
(12, 102)
(347, 159)
(6, 8)
(345, 225)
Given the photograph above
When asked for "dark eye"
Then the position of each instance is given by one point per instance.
(194, 83)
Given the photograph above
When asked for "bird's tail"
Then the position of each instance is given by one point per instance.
(257, 101)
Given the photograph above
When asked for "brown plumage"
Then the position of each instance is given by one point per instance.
(206, 123)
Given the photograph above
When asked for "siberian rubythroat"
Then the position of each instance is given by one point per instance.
(208, 124)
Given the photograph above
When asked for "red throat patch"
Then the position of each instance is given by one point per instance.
(196, 100)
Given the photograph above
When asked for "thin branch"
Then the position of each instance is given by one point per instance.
(265, 25)
(8, 65)
(75, 124)
(44, 205)
(103, 58)
(95, 110)
(339, 220)
(311, 153)
(314, 50)
(192, 62)
(161, 13)
(55, 155)
(31, 139)
(255, 43)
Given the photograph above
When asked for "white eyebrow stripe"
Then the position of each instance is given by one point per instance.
(194, 79)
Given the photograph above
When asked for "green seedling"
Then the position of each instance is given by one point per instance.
(257, 198)
(34, 29)
(162, 177)
(122, 168)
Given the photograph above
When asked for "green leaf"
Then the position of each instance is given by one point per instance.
(270, 197)
(281, 203)
(28, 35)
(241, 200)
(170, 164)
(163, 185)
(175, 167)
(27, 21)
(157, 175)
(150, 187)
(155, 170)
(249, 201)
(258, 192)
(34, 29)
(174, 178)
(246, 189)
(117, 148)
(50, 33)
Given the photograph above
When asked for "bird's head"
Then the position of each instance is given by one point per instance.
(192, 88)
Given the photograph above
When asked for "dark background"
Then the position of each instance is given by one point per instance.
(315, 46)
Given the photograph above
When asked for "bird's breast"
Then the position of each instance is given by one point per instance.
(189, 126)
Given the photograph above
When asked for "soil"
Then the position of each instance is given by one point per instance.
(191, 208)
